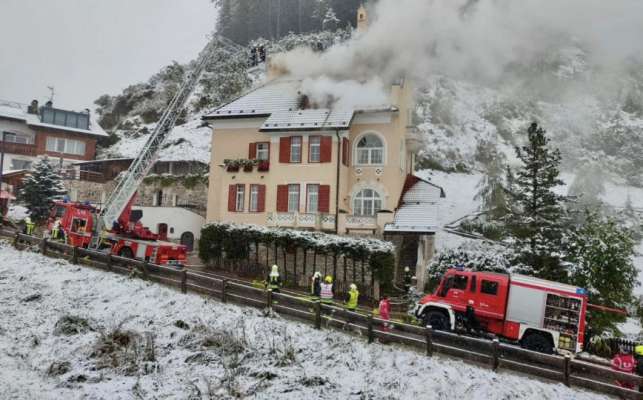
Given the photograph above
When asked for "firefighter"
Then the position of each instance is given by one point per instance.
(55, 230)
(29, 226)
(470, 318)
(326, 290)
(638, 357)
(408, 279)
(385, 312)
(274, 279)
(315, 287)
(623, 361)
(352, 298)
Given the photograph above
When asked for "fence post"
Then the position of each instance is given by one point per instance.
(109, 262)
(144, 267)
(74, 255)
(566, 369)
(184, 281)
(317, 314)
(43, 246)
(495, 352)
(224, 286)
(428, 334)
(371, 335)
(15, 240)
(269, 298)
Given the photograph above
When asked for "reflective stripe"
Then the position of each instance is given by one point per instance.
(326, 291)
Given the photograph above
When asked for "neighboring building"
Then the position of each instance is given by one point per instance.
(172, 197)
(32, 132)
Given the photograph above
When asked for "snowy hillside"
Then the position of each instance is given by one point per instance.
(72, 332)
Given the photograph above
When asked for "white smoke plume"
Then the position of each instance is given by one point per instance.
(475, 39)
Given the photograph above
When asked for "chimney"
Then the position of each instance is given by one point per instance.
(362, 19)
(33, 107)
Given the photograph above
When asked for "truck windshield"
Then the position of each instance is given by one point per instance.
(446, 285)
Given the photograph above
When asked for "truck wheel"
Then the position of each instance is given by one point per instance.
(538, 342)
(126, 252)
(437, 320)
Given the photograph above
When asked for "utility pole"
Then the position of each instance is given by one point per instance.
(278, 19)
(1, 173)
(299, 14)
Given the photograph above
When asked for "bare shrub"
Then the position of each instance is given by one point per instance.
(69, 325)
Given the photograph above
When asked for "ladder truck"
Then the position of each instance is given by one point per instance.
(116, 228)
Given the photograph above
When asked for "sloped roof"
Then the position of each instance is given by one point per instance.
(18, 111)
(274, 96)
(315, 119)
(418, 211)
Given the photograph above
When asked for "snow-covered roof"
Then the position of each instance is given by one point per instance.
(312, 119)
(271, 97)
(18, 111)
(419, 209)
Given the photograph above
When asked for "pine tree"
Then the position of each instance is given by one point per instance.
(538, 220)
(40, 189)
(491, 189)
(602, 253)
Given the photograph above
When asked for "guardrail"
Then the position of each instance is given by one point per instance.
(494, 354)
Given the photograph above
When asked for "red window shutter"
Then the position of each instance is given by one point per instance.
(261, 203)
(252, 151)
(282, 198)
(324, 198)
(232, 198)
(326, 149)
(284, 150)
(345, 152)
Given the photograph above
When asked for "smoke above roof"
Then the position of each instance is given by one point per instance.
(473, 39)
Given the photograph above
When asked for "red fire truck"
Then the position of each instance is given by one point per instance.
(128, 238)
(541, 315)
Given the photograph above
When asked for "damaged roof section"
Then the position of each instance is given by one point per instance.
(418, 210)
(311, 119)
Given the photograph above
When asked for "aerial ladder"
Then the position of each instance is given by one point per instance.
(118, 205)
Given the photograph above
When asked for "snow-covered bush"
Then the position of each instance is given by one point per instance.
(40, 189)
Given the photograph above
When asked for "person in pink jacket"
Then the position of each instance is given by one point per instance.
(385, 312)
(624, 361)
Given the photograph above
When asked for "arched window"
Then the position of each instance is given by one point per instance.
(370, 150)
(367, 203)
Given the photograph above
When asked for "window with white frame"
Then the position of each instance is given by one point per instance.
(254, 198)
(293, 198)
(370, 150)
(312, 199)
(295, 149)
(240, 200)
(263, 151)
(314, 147)
(17, 164)
(367, 203)
(11, 137)
(66, 146)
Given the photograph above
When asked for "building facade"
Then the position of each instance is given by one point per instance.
(31, 132)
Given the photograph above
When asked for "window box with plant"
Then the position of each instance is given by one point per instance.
(236, 165)
(263, 166)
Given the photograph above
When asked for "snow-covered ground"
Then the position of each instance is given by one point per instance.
(275, 358)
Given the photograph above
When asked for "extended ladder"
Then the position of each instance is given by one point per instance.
(141, 166)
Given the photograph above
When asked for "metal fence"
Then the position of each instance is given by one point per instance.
(494, 354)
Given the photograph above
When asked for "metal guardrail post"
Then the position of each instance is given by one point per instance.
(495, 353)
(74, 255)
(109, 262)
(269, 298)
(145, 268)
(371, 334)
(317, 314)
(43, 246)
(224, 287)
(566, 369)
(184, 281)
(428, 335)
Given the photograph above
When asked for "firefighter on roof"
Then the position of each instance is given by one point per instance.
(274, 279)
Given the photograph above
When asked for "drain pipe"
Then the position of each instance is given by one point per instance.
(339, 151)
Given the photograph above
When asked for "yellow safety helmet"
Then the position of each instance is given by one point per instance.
(328, 279)
(638, 350)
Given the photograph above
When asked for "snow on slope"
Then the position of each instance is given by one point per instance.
(327, 365)
(188, 142)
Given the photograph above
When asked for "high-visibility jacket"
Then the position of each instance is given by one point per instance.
(327, 292)
(353, 296)
(274, 281)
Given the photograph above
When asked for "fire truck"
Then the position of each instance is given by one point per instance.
(540, 315)
(115, 227)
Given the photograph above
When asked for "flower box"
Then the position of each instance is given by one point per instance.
(263, 166)
(232, 168)
(248, 168)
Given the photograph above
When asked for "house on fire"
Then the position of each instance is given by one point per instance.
(279, 161)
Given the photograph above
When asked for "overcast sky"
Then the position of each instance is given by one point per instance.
(86, 48)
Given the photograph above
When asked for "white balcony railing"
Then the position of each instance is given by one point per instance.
(361, 222)
(302, 220)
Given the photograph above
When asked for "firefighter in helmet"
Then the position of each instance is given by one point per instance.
(274, 279)
(30, 226)
(326, 292)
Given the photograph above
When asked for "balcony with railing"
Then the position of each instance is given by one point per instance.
(20, 148)
(301, 220)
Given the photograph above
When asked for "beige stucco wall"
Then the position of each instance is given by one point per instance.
(231, 138)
